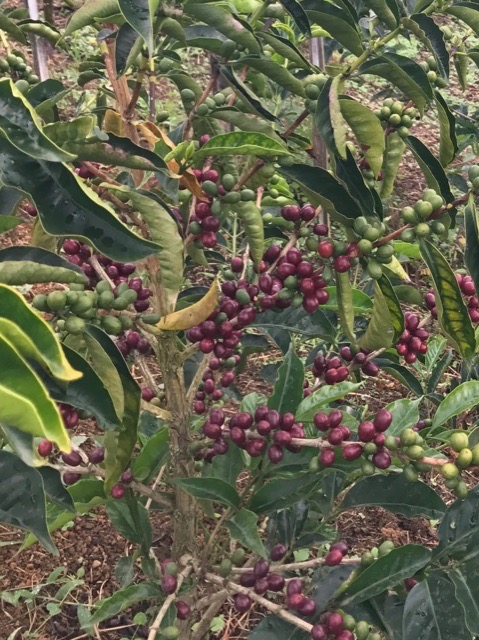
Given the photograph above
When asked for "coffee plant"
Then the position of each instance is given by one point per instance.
(263, 213)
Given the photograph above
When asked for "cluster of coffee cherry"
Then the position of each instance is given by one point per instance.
(430, 67)
(413, 338)
(397, 116)
(335, 369)
(419, 215)
(468, 290)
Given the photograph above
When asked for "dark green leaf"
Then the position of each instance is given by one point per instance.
(10, 27)
(386, 572)
(81, 213)
(323, 189)
(471, 253)
(9, 200)
(22, 498)
(90, 12)
(212, 489)
(275, 72)
(345, 305)
(126, 40)
(429, 33)
(393, 153)
(404, 73)
(20, 125)
(338, 23)
(394, 493)
(243, 526)
(140, 15)
(280, 494)
(402, 374)
(447, 130)
(432, 611)
(323, 397)
(241, 143)
(467, 12)
(295, 320)
(350, 175)
(431, 168)
(30, 265)
(122, 599)
(459, 400)
(368, 131)
(328, 118)
(458, 528)
(362, 304)
(239, 87)
(284, 48)
(405, 414)
(152, 456)
(386, 11)
(288, 390)
(9, 222)
(464, 577)
(55, 489)
(132, 521)
(382, 325)
(392, 302)
(229, 466)
(296, 11)
(451, 310)
(438, 371)
(273, 627)
(204, 37)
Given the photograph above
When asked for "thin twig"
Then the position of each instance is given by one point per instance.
(155, 484)
(166, 604)
(100, 271)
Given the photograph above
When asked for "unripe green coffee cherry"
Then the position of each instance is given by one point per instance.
(371, 234)
(369, 448)
(475, 184)
(367, 468)
(366, 559)
(386, 547)
(397, 107)
(106, 300)
(409, 215)
(415, 452)
(360, 225)
(56, 300)
(464, 459)
(202, 109)
(438, 228)
(365, 246)
(431, 63)
(171, 568)
(74, 325)
(388, 102)
(349, 622)
(187, 95)
(219, 99)
(385, 253)
(408, 437)
(451, 484)
(238, 557)
(374, 636)
(432, 76)
(112, 325)
(362, 630)
(60, 325)
(291, 282)
(403, 132)
(461, 490)
(195, 228)
(459, 441)
(374, 269)
(170, 633)
(103, 286)
(225, 568)
(126, 321)
(130, 294)
(423, 208)
(422, 230)
(312, 91)
(311, 244)
(410, 473)
(233, 197)
(210, 188)
(406, 121)
(449, 471)
(408, 235)
(395, 119)
(39, 302)
(385, 112)
(473, 172)
(475, 455)
(165, 65)
(314, 465)
(210, 103)
(228, 181)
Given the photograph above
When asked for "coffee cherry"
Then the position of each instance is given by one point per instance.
(334, 623)
(278, 552)
(307, 607)
(127, 476)
(72, 459)
(352, 452)
(449, 471)
(326, 249)
(70, 478)
(294, 586)
(333, 558)
(242, 602)
(45, 448)
(366, 431)
(169, 584)
(294, 601)
(459, 440)
(382, 420)
(382, 459)
(276, 582)
(183, 610)
(118, 491)
(319, 632)
(97, 455)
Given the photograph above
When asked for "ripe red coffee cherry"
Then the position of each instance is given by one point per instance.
(261, 586)
(291, 212)
(352, 452)
(169, 584)
(242, 602)
(334, 418)
(212, 430)
(307, 607)
(342, 264)
(147, 394)
(261, 568)
(127, 476)
(256, 448)
(278, 552)
(320, 229)
(294, 601)
(217, 416)
(45, 448)
(70, 478)
(283, 438)
(294, 586)
(97, 455)
(275, 454)
(381, 459)
(71, 247)
(73, 459)
(335, 436)
(340, 546)
(326, 249)
(183, 610)
(118, 491)
(247, 579)
(319, 632)
(276, 582)
(366, 431)
(383, 420)
(334, 623)
(333, 558)
(321, 421)
(327, 457)
(287, 421)
(410, 583)
(345, 635)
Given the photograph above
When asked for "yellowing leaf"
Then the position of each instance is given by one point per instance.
(396, 267)
(196, 313)
(113, 123)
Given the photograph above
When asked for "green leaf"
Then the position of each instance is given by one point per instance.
(70, 131)
(392, 302)
(394, 493)
(406, 248)
(228, 466)
(244, 122)
(127, 44)
(323, 189)
(250, 216)
(438, 371)
(10, 27)
(471, 252)
(402, 374)
(107, 372)
(241, 143)
(123, 599)
(405, 413)
(204, 37)
(44, 30)
(119, 444)
(132, 521)
(459, 400)
(447, 130)
(432, 611)
(458, 528)
(328, 117)
(429, 33)
(296, 11)
(368, 131)
(82, 214)
(288, 390)
(9, 200)
(338, 23)
(274, 72)
(252, 103)
(282, 493)
(164, 233)
(295, 320)
(350, 175)
(18, 321)
(384, 573)
(225, 22)
(90, 12)
(22, 499)
(21, 126)
(275, 628)
(461, 63)
(431, 168)
(467, 12)
(140, 15)
(212, 489)
(404, 73)
(285, 48)
(25, 403)
(388, 12)
(243, 526)
(435, 347)
(153, 455)
(55, 489)
(323, 397)
(30, 265)
(464, 577)
(345, 305)
(451, 310)
(362, 303)
(381, 329)
(9, 222)
(393, 154)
